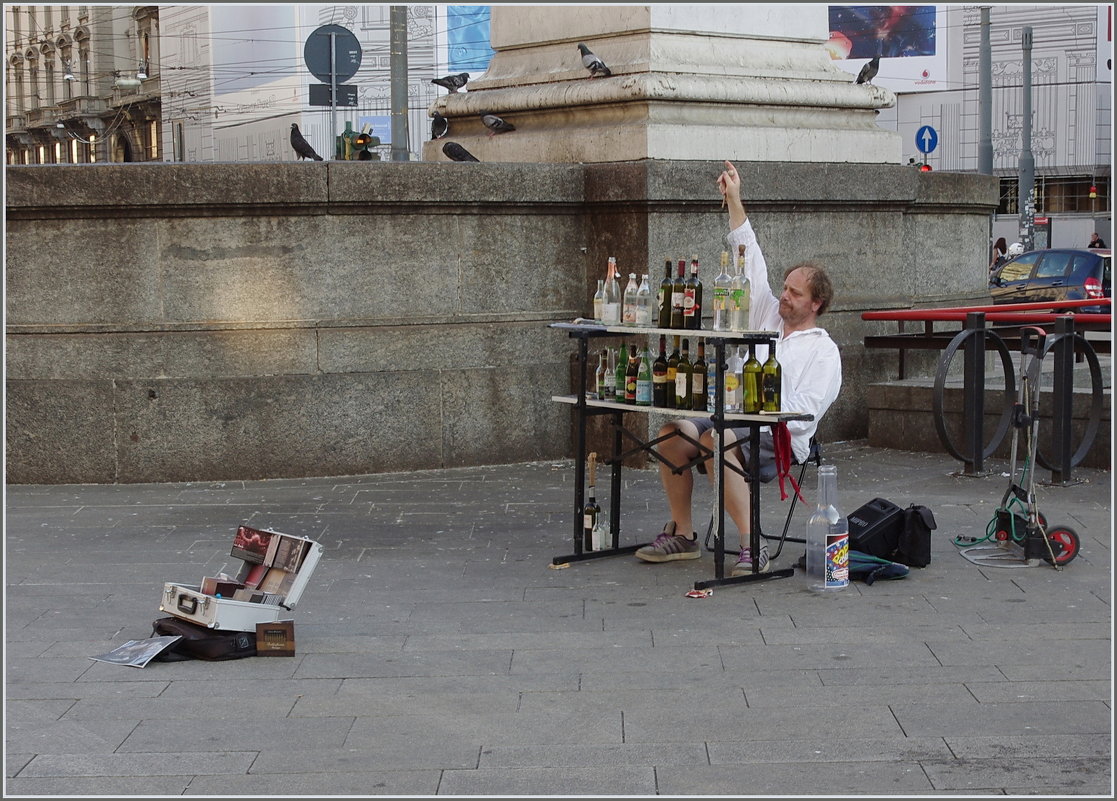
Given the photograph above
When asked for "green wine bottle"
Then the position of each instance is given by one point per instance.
(619, 373)
(698, 379)
(672, 369)
(770, 380)
(666, 290)
(660, 386)
(751, 372)
(678, 297)
(683, 386)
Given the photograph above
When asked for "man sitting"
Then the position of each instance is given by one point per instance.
(812, 377)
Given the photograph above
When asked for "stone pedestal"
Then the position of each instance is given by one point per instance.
(690, 82)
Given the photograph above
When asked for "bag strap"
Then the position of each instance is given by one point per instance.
(781, 445)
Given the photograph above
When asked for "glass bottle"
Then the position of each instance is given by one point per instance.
(628, 306)
(827, 537)
(659, 376)
(631, 374)
(591, 510)
(644, 380)
(621, 369)
(613, 300)
(599, 375)
(750, 376)
(771, 377)
(739, 294)
(644, 303)
(678, 296)
(672, 369)
(721, 295)
(610, 375)
(666, 290)
(698, 379)
(692, 298)
(733, 366)
(599, 301)
(683, 378)
(712, 381)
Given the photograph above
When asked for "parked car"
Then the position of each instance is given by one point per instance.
(1055, 274)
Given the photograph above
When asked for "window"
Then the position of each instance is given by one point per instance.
(1053, 265)
(1020, 268)
(1058, 194)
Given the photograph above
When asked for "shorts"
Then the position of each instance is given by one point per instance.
(767, 465)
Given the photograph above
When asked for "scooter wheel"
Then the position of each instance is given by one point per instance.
(1068, 540)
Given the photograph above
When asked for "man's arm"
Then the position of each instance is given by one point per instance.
(729, 182)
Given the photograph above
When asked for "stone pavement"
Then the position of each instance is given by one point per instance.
(439, 654)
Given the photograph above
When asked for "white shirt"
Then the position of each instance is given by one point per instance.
(810, 361)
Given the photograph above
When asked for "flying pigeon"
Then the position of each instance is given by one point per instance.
(452, 82)
(495, 124)
(439, 126)
(595, 65)
(456, 152)
(869, 71)
(301, 146)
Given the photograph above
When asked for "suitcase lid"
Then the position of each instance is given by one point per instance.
(283, 551)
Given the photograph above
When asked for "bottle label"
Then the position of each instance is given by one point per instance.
(630, 389)
(697, 381)
(721, 298)
(837, 559)
(771, 389)
(643, 393)
(680, 384)
(688, 303)
(611, 314)
(588, 519)
(677, 300)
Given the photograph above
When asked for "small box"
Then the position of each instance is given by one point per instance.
(275, 571)
(275, 639)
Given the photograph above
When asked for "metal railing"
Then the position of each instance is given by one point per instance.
(1004, 328)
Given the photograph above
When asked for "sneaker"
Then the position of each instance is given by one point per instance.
(744, 562)
(670, 546)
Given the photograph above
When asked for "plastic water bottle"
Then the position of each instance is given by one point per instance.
(827, 537)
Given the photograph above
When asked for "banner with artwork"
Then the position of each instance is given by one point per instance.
(910, 41)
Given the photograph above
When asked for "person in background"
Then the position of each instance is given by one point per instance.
(1000, 250)
(812, 377)
(1096, 241)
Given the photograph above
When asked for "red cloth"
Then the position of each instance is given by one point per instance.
(781, 442)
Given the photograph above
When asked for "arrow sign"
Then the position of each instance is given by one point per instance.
(926, 139)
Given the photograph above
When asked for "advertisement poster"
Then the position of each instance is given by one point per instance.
(907, 39)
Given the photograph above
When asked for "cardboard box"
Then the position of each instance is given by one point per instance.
(275, 639)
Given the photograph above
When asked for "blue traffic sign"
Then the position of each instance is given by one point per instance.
(926, 139)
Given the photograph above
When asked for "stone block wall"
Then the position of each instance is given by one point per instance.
(184, 322)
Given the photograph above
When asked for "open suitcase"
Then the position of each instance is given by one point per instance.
(275, 571)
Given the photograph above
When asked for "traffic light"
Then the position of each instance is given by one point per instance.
(362, 142)
(924, 167)
(1093, 191)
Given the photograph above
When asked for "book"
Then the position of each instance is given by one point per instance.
(253, 574)
(274, 580)
(137, 653)
(286, 552)
(275, 639)
(218, 586)
(251, 544)
(256, 596)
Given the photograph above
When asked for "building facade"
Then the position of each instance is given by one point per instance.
(81, 84)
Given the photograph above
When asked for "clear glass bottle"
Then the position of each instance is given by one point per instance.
(628, 304)
(613, 299)
(599, 301)
(827, 537)
(599, 375)
(739, 295)
(644, 303)
(591, 511)
(711, 381)
(721, 295)
(733, 366)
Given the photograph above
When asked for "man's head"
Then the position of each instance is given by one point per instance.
(1094, 236)
(806, 295)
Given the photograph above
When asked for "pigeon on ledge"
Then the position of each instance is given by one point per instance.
(495, 124)
(452, 82)
(456, 152)
(439, 126)
(869, 71)
(301, 146)
(592, 63)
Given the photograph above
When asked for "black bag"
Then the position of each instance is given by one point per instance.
(914, 546)
(881, 528)
(199, 642)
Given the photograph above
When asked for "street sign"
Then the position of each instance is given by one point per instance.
(926, 139)
(345, 59)
(320, 95)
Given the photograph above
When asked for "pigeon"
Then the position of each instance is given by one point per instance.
(439, 126)
(595, 65)
(495, 124)
(452, 82)
(869, 71)
(301, 146)
(456, 152)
